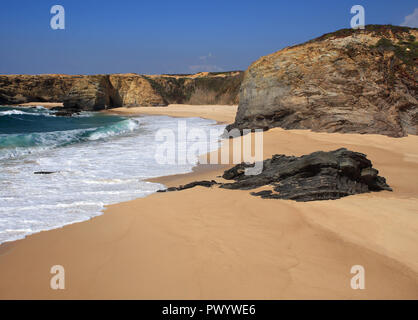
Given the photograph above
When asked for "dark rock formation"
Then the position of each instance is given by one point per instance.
(65, 112)
(203, 183)
(97, 92)
(359, 81)
(44, 172)
(316, 176)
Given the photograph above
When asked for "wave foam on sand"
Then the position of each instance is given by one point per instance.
(87, 169)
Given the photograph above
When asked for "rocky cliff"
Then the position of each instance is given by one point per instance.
(16, 89)
(92, 93)
(135, 90)
(201, 88)
(75, 91)
(362, 81)
(96, 92)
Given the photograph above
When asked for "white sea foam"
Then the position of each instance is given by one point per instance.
(11, 112)
(107, 166)
(20, 112)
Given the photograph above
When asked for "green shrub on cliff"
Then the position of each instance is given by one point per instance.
(406, 51)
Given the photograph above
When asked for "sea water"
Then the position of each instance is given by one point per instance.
(96, 160)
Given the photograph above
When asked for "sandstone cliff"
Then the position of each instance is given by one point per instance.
(201, 88)
(135, 90)
(362, 81)
(92, 93)
(16, 89)
(75, 91)
(96, 92)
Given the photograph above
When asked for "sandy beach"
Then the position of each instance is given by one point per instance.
(220, 113)
(215, 243)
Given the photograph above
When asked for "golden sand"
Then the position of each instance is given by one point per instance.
(226, 244)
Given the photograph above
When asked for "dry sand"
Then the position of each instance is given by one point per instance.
(224, 114)
(226, 244)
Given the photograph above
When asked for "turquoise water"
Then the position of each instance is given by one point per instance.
(38, 119)
(26, 129)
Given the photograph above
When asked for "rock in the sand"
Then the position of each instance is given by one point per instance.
(203, 183)
(316, 176)
(358, 81)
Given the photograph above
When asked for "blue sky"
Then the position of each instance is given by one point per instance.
(182, 36)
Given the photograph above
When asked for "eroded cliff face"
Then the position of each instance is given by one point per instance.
(361, 81)
(96, 92)
(75, 91)
(92, 93)
(202, 88)
(15, 89)
(135, 90)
